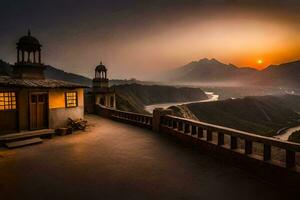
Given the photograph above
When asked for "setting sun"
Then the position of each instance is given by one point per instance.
(260, 61)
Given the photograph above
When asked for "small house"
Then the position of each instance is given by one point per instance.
(29, 101)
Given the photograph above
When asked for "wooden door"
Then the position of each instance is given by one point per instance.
(38, 111)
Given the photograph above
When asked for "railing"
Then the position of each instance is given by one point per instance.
(129, 117)
(227, 141)
(219, 136)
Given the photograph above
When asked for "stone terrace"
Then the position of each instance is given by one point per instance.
(112, 160)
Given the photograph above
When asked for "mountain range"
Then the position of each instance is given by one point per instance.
(212, 71)
(205, 71)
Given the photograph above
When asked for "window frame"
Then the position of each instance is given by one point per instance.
(10, 103)
(76, 99)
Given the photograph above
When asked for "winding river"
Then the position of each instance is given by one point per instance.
(211, 97)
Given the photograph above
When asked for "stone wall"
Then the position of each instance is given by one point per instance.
(58, 117)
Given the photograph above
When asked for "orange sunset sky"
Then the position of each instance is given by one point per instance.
(142, 38)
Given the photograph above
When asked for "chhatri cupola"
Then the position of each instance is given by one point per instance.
(102, 94)
(100, 82)
(29, 64)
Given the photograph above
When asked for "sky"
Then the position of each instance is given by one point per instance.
(140, 39)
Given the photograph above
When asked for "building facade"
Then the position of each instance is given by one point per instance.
(29, 101)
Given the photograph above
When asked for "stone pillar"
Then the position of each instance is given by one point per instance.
(34, 57)
(18, 58)
(28, 56)
(157, 114)
(22, 56)
(40, 60)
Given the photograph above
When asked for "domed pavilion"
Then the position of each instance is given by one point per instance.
(29, 63)
(103, 94)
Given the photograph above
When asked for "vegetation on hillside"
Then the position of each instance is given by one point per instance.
(263, 115)
(295, 137)
(133, 97)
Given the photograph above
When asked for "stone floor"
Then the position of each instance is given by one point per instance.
(112, 160)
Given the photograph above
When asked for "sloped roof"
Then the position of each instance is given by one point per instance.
(7, 81)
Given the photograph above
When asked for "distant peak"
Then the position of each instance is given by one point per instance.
(204, 59)
(212, 60)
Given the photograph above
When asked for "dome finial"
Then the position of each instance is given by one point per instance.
(29, 33)
(100, 62)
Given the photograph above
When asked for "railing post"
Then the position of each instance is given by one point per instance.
(290, 158)
(209, 135)
(158, 113)
(233, 142)
(221, 139)
(186, 128)
(248, 147)
(267, 152)
(200, 132)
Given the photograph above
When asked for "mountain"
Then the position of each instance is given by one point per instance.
(54, 73)
(214, 72)
(5, 68)
(287, 74)
(50, 73)
(136, 96)
(263, 115)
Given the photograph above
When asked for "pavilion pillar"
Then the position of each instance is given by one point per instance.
(28, 57)
(22, 55)
(40, 56)
(18, 56)
(34, 56)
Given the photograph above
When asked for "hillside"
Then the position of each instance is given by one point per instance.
(137, 96)
(287, 74)
(216, 73)
(54, 73)
(263, 115)
(50, 73)
(5, 68)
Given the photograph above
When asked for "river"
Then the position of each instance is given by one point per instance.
(285, 134)
(211, 97)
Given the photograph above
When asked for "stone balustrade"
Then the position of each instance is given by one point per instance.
(231, 145)
(124, 116)
(204, 132)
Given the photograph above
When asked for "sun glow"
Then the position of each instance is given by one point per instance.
(260, 61)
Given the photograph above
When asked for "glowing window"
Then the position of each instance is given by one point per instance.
(8, 101)
(71, 99)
